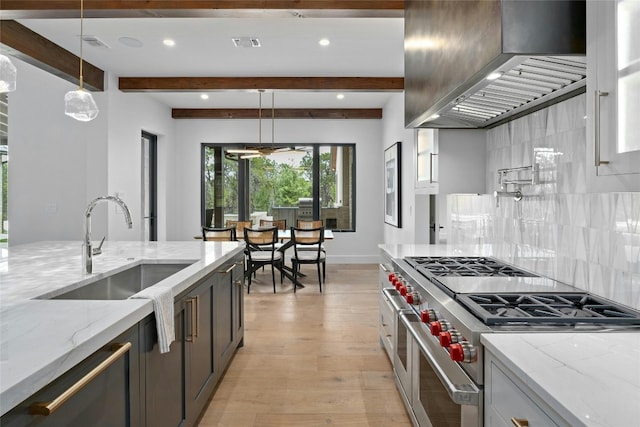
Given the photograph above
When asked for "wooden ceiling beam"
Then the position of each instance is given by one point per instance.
(198, 84)
(28, 46)
(17, 9)
(279, 113)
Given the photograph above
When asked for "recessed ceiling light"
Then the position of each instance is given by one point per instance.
(169, 42)
(324, 42)
(340, 96)
(435, 116)
(494, 76)
(204, 96)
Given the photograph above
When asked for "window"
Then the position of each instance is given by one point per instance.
(283, 182)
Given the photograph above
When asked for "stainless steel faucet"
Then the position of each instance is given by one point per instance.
(87, 249)
(517, 195)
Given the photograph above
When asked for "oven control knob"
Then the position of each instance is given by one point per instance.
(409, 298)
(391, 277)
(449, 337)
(439, 326)
(403, 290)
(415, 298)
(398, 284)
(462, 352)
(429, 315)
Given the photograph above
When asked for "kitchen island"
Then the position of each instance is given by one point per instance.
(42, 339)
(557, 376)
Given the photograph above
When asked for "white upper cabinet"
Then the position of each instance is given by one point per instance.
(613, 95)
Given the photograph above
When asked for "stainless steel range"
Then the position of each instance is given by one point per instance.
(442, 306)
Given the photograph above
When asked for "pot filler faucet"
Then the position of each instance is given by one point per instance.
(87, 249)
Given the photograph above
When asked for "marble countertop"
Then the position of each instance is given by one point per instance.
(590, 379)
(39, 340)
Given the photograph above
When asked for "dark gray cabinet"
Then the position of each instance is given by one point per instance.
(209, 323)
(200, 366)
(163, 374)
(110, 398)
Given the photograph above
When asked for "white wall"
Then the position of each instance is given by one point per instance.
(347, 247)
(56, 164)
(129, 115)
(393, 131)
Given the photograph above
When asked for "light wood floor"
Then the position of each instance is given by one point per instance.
(310, 359)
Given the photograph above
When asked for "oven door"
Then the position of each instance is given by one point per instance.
(442, 394)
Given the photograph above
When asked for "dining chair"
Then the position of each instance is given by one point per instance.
(308, 238)
(218, 234)
(261, 250)
(281, 224)
(304, 224)
(239, 226)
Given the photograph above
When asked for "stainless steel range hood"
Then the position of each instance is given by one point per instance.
(535, 49)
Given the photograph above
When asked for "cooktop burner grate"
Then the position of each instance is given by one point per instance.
(465, 267)
(494, 309)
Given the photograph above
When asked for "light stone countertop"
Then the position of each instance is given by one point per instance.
(40, 340)
(590, 379)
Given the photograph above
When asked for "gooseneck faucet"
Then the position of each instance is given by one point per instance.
(87, 249)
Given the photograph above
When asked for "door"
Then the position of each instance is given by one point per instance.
(149, 186)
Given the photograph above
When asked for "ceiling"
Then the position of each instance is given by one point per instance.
(359, 47)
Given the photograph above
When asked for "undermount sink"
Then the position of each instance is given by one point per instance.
(123, 284)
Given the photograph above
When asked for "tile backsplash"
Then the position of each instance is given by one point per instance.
(558, 229)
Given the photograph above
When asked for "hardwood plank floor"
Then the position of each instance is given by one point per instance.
(310, 359)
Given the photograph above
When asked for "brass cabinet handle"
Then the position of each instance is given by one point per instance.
(519, 422)
(596, 131)
(228, 270)
(192, 335)
(238, 282)
(48, 408)
(197, 317)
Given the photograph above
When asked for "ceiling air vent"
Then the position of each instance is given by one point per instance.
(95, 42)
(246, 42)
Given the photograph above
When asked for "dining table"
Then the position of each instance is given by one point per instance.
(285, 237)
(287, 271)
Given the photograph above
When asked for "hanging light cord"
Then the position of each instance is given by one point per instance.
(81, 34)
(260, 118)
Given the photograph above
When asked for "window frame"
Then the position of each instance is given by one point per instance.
(244, 173)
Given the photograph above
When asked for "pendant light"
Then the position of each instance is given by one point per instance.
(79, 103)
(8, 75)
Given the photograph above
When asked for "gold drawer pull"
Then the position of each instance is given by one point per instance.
(228, 270)
(520, 422)
(48, 408)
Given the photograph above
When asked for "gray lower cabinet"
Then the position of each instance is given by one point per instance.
(209, 327)
(111, 398)
(143, 387)
(163, 374)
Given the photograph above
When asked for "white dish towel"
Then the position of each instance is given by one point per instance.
(163, 307)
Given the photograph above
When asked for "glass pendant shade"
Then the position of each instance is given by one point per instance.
(8, 75)
(80, 105)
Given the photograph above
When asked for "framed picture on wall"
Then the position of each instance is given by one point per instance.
(392, 187)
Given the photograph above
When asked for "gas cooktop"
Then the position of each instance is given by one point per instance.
(569, 308)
